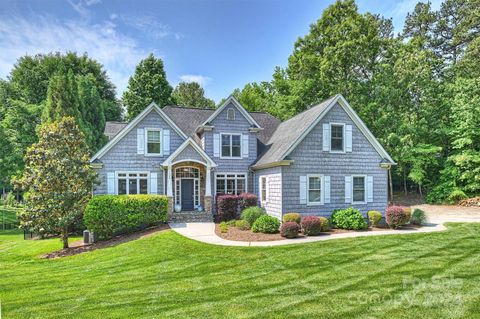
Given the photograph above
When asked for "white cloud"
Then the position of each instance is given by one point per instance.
(200, 79)
(43, 34)
(147, 24)
(81, 7)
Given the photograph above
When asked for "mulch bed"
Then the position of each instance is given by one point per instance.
(79, 247)
(236, 234)
(470, 202)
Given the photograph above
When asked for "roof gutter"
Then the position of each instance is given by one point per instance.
(273, 164)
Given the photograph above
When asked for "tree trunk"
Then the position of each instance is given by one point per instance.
(420, 189)
(65, 237)
(390, 183)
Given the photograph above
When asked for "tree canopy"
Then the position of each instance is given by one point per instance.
(191, 94)
(148, 84)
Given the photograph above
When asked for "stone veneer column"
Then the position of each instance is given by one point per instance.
(208, 204)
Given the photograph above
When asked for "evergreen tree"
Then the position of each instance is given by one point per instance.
(62, 98)
(420, 24)
(191, 94)
(148, 84)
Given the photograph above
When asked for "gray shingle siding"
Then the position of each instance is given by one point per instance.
(239, 125)
(310, 159)
(273, 206)
(123, 155)
(189, 153)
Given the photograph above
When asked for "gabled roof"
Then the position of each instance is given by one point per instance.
(113, 128)
(291, 132)
(231, 99)
(196, 147)
(188, 118)
(132, 124)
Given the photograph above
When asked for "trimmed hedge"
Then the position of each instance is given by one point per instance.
(396, 216)
(229, 206)
(292, 217)
(348, 218)
(110, 215)
(289, 229)
(266, 224)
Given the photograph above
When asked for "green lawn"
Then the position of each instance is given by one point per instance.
(433, 275)
(8, 216)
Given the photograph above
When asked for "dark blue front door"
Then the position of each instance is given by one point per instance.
(187, 194)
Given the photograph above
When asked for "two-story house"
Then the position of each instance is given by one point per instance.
(322, 159)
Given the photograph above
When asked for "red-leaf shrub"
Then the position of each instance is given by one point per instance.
(396, 216)
(289, 230)
(247, 200)
(311, 225)
(227, 207)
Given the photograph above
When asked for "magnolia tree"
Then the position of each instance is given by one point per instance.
(57, 179)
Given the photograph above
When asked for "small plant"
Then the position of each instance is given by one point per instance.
(312, 225)
(251, 214)
(266, 224)
(292, 217)
(374, 217)
(231, 222)
(408, 211)
(418, 217)
(242, 224)
(349, 218)
(396, 216)
(223, 227)
(289, 229)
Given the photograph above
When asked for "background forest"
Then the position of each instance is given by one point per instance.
(417, 91)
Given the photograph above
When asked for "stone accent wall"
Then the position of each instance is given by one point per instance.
(208, 204)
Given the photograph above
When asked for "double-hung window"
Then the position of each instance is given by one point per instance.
(132, 183)
(231, 145)
(314, 185)
(232, 184)
(337, 137)
(358, 189)
(154, 137)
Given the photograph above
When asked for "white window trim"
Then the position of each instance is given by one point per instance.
(343, 138)
(241, 148)
(264, 183)
(231, 173)
(365, 185)
(127, 178)
(322, 190)
(146, 141)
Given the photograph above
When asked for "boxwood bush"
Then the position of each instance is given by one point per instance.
(251, 214)
(374, 217)
(266, 224)
(418, 217)
(349, 218)
(110, 215)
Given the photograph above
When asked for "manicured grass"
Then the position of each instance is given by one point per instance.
(434, 275)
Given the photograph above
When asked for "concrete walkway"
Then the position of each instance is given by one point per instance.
(205, 232)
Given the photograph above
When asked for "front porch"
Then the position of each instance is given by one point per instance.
(189, 183)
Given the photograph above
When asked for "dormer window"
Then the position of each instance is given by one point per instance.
(231, 114)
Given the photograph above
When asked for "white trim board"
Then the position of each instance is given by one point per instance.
(196, 147)
(241, 109)
(132, 124)
(354, 117)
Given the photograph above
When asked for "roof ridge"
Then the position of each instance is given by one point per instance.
(190, 107)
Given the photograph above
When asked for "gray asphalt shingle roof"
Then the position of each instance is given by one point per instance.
(113, 128)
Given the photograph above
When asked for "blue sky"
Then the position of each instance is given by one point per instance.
(220, 44)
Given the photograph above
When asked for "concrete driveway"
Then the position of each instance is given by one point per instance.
(439, 214)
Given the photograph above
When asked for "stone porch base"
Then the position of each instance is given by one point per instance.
(191, 217)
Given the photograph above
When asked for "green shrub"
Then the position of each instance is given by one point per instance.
(231, 222)
(266, 224)
(223, 227)
(292, 217)
(455, 196)
(109, 215)
(349, 218)
(374, 217)
(242, 224)
(251, 214)
(418, 217)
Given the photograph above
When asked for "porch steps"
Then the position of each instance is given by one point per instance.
(191, 217)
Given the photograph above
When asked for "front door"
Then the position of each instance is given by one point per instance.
(187, 194)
